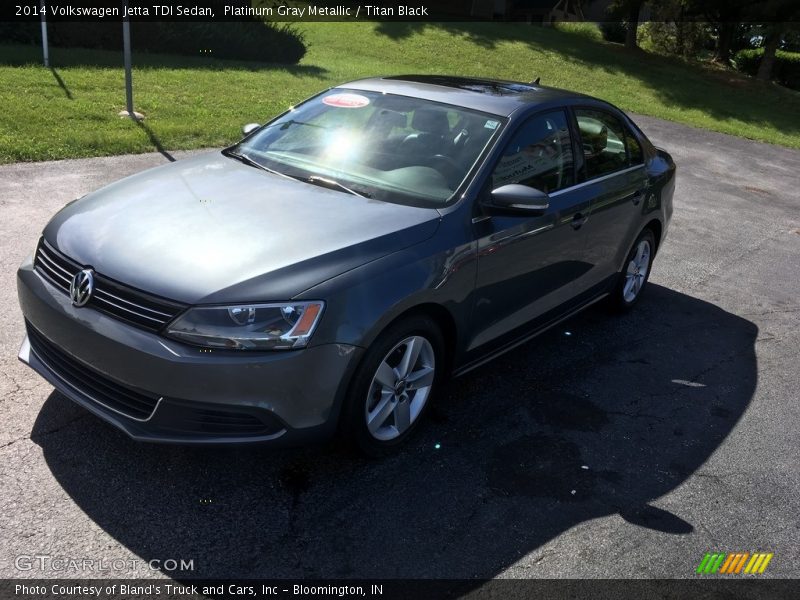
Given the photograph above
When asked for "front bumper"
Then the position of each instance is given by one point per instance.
(156, 389)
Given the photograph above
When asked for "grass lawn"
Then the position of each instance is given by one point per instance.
(71, 111)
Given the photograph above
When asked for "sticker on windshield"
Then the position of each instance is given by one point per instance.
(346, 100)
(491, 124)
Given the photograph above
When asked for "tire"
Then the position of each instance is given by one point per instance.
(635, 273)
(388, 399)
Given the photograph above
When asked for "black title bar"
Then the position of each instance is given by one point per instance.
(473, 589)
(531, 11)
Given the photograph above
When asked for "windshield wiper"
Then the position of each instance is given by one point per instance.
(290, 122)
(332, 183)
(313, 179)
(253, 163)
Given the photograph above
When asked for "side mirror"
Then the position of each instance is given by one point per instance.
(518, 197)
(250, 128)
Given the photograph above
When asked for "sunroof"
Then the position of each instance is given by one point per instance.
(483, 86)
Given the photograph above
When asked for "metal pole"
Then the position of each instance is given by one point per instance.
(45, 47)
(126, 50)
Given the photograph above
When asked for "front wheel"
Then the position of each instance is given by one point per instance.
(635, 272)
(393, 386)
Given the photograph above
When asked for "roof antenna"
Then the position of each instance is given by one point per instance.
(536, 81)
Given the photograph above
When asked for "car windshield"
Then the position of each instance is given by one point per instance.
(382, 146)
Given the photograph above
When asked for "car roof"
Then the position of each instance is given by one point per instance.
(493, 96)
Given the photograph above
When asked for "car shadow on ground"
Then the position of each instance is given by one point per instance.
(599, 416)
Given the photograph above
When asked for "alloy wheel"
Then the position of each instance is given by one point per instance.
(637, 271)
(400, 388)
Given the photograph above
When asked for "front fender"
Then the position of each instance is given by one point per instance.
(364, 301)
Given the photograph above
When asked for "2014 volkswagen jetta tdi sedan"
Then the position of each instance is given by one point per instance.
(330, 269)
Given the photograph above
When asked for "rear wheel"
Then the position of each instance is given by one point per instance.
(394, 384)
(635, 272)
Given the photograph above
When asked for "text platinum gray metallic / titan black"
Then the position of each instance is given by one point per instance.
(330, 270)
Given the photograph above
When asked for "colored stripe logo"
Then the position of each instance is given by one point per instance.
(734, 563)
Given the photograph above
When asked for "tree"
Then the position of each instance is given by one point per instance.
(671, 32)
(771, 42)
(633, 7)
(725, 16)
(781, 15)
(628, 10)
(772, 17)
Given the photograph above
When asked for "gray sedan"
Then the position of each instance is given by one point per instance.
(330, 270)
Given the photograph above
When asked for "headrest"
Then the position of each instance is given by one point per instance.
(594, 133)
(390, 118)
(430, 120)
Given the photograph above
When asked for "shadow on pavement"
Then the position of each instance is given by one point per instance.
(154, 140)
(562, 430)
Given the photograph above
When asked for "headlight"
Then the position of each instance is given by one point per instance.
(249, 326)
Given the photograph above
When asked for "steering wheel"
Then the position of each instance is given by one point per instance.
(452, 171)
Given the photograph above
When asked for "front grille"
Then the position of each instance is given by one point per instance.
(217, 421)
(193, 419)
(111, 297)
(89, 383)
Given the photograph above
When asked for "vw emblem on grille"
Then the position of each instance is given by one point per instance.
(81, 288)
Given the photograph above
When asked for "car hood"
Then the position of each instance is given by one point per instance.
(210, 229)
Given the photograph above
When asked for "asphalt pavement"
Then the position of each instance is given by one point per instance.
(608, 447)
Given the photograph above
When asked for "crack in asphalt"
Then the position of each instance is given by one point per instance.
(45, 433)
(17, 388)
(737, 257)
(718, 477)
(12, 442)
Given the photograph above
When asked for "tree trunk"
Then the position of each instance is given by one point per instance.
(633, 26)
(768, 60)
(680, 38)
(724, 42)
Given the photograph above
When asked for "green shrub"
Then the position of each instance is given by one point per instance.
(251, 40)
(682, 38)
(590, 31)
(785, 71)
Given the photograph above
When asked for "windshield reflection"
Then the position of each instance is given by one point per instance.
(378, 145)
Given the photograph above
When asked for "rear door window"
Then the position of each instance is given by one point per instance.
(634, 148)
(603, 142)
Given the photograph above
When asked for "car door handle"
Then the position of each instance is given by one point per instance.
(637, 197)
(578, 220)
